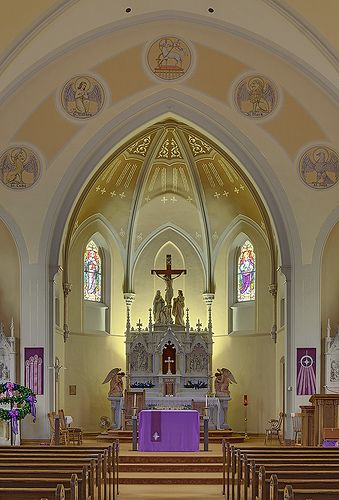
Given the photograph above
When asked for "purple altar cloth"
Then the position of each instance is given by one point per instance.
(169, 430)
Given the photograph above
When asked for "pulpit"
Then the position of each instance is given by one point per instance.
(322, 414)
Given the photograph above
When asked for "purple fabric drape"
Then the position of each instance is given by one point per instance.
(14, 417)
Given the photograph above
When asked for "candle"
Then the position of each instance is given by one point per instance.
(206, 401)
(328, 328)
(135, 401)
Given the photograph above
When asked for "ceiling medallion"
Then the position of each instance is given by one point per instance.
(169, 58)
(20, 167)
(256, 96)
(82, 97)
(319, 167)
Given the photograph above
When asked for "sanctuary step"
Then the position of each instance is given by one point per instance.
(172, 468)
(214, 436)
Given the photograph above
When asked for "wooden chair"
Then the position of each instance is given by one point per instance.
(296, 425)
(75, 433)
(127, 411)
(274, 427)
(64, 434)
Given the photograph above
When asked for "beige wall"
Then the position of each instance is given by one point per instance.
(10, 294)
(330, 282)
(90, 356)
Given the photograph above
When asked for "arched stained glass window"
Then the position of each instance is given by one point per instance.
(246, 273)
(92, 273)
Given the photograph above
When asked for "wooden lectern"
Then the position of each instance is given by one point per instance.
(322, 414)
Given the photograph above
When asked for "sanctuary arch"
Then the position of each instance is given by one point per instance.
(169, 190)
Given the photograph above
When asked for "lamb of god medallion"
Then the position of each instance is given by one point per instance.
(20, 167)
(256, 96)
(169, 58)
(82, 97)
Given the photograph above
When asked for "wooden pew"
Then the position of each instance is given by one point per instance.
(288, 493)
(41, 460)
(237, 467)
(97, 479)
(57, 493)
(100, 479)
(305, 486)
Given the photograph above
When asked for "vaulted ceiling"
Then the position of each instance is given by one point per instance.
(170, 176)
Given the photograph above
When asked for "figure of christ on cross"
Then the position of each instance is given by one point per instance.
(169, 361)
(169, 275)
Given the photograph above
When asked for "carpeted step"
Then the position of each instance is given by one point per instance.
(170, 478)
(171, 467)
(170, 458)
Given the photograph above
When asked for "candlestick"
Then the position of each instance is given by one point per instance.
(245, 415)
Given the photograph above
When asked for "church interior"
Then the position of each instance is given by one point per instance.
(169, 208)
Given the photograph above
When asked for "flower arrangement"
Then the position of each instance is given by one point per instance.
(22, 401)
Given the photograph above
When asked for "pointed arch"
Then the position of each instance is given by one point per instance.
(92, 284)
(246, 272)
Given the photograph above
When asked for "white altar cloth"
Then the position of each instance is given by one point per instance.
(185, 403)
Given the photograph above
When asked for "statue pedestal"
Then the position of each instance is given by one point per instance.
(223, 410)
(116, 406)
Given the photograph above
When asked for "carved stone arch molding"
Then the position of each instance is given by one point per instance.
(157, 106)
(225, 134)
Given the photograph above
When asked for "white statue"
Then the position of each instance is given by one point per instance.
(160, 310)
(179, 309)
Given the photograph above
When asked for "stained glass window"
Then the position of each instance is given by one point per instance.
(92, 273)
(246, 273)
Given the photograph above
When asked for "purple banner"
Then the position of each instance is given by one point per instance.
(306, 371)
(34, 369)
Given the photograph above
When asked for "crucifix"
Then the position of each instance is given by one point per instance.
(169, 361)
(168, 275)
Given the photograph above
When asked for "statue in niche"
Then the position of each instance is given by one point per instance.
(139, 358)
(179, 309)
(223, 378)
(115, 377)
(334, 376)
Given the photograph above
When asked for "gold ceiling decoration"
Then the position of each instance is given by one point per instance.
(168, 171)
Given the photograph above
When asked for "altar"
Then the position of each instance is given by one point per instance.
(168, 430)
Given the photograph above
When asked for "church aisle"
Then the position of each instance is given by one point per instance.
(174, 492)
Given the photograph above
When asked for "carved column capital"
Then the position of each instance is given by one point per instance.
(67, 288)
(129, 298)
(208, 298)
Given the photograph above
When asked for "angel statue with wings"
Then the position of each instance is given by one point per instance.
(223, 378)
(115, 377)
